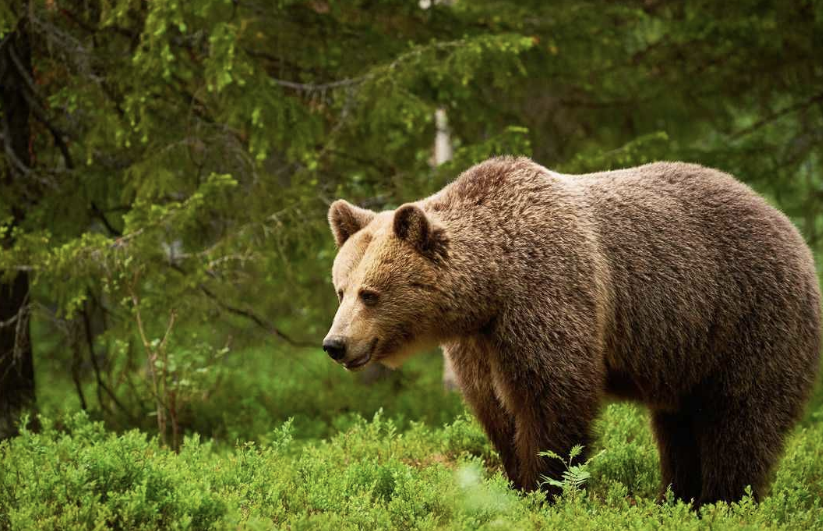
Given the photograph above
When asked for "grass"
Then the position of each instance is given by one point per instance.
(342, 463)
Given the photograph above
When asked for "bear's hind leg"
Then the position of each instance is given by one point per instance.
(739, 445)
(679, 454)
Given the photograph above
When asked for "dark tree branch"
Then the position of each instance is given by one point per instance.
(97, 213)
(778, 114)
(248, 314)
(15, 161)
(76, 362)
(101, 385)
(57, 134)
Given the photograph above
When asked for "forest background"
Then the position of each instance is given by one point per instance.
(166, 168)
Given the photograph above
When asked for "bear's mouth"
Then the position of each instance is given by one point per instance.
(360, 362)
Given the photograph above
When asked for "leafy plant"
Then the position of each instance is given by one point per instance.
(75, 474)
(575, 476)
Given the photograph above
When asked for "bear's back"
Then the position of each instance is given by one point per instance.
(688, 266)
(701, 266)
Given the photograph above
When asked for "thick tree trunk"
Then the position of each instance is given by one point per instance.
(16, 363)
(16, 367)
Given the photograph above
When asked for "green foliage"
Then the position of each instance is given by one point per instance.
(631, 459)
(369, 476)
(316, 462)
(576, 475)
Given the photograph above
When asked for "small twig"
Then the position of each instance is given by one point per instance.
(170, 396)
(311, 87)
(21, 333)
(8, 322)
(151, 355)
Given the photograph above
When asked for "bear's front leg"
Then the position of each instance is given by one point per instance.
(470, 361)
(540, 429)
(555, 396)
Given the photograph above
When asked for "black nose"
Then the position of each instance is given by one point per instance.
(335, 348)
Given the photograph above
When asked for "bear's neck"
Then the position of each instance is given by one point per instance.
(470, 272)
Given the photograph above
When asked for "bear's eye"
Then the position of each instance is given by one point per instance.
(340, 296)
(368, 297)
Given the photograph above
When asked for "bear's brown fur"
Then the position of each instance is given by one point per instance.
(669, 284)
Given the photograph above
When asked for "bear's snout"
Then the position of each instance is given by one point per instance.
(335, 347)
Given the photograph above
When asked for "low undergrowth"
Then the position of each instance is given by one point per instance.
(76, 474)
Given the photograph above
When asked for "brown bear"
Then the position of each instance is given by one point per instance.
(670, 284)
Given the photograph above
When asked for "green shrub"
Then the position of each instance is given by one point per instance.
(631, 457)
(75, 474)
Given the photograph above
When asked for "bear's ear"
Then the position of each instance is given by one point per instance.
(346, 219)
(412, 224)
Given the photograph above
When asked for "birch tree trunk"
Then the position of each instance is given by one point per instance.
(443, 153)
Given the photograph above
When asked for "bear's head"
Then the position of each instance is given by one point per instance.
(388, 275)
